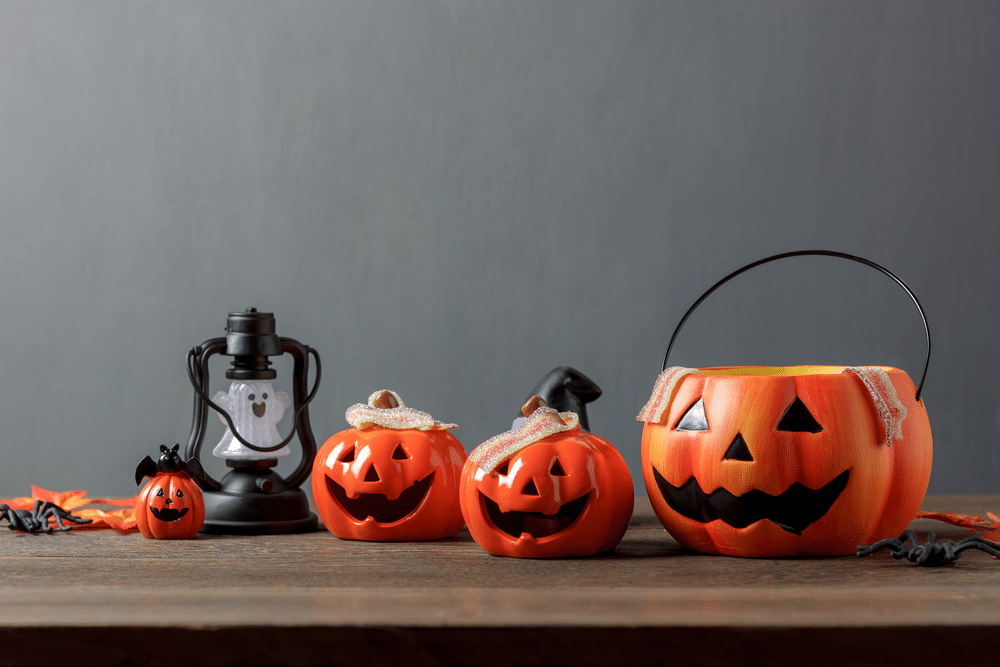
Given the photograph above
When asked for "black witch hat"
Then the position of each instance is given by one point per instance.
(567, 389)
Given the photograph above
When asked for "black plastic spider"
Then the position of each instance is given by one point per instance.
(37, 520)
(942, 552)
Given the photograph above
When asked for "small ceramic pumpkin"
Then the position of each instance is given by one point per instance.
(546, 489)
(794, 461)
(392, 477)
(170, 506)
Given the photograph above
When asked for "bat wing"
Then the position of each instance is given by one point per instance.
(194, 468)
(146, 468)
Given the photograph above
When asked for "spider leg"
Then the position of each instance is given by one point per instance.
(55, 515)
(976, 542)
(7, 513)
(890, 543)
(920, 552)
(59, 514)
(40, 518)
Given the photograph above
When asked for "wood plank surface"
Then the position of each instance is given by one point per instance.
(98, 597)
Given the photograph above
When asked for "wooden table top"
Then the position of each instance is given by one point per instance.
(97, 597)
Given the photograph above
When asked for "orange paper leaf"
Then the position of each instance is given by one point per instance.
(970, 521)
(122, 520)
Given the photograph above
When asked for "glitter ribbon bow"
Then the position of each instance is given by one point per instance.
(386, 409)
(542, 423)
(663, 391)
(890, 410)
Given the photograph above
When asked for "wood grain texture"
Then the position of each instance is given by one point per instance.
(102, 598)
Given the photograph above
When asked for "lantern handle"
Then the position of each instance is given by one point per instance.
(195, 377)
(827, 253)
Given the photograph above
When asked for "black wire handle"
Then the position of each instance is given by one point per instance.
(799, 253)
(192, 376)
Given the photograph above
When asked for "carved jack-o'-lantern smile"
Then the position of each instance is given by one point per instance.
(379, 506)
(792, 510)
(168, 513)
(533, 524)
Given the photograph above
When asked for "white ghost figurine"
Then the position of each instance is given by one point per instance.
(255, 409)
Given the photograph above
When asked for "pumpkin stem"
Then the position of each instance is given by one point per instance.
(533, 404)
(385, 401)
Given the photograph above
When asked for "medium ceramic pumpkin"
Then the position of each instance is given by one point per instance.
(392, 477)
(170, 506)
(547, 489)
(809, 460)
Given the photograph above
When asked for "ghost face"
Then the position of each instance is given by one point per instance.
(255, 409)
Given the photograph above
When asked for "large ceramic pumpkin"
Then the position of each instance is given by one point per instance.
(794, 461)
(547, 489)
(170, 506)
(392, 477)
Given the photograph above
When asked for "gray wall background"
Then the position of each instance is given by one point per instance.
(450, 198)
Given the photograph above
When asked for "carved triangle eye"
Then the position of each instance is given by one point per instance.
(348, 456)
(694, 419)
(502, 468)
(797, 418)
(557, 469)
(738, 450)
(399, 453)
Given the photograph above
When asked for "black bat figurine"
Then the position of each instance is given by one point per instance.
(170, 461)
(567, 389)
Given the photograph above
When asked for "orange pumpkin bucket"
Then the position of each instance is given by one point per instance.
(785, 461)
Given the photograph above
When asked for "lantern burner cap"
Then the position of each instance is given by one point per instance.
(251, 339)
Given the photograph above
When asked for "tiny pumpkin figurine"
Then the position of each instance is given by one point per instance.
(546, 489)
(393, 476)
(170, 506)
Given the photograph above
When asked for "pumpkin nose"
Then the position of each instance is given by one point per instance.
(738, 450)
(372, 474)
(530, 489)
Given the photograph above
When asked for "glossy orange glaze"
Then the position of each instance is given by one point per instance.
(435, 513)
(183, 494)
(533, 483)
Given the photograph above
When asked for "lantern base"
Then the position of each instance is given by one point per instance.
(256, 501)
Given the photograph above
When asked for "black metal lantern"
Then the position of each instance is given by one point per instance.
(253, 498)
